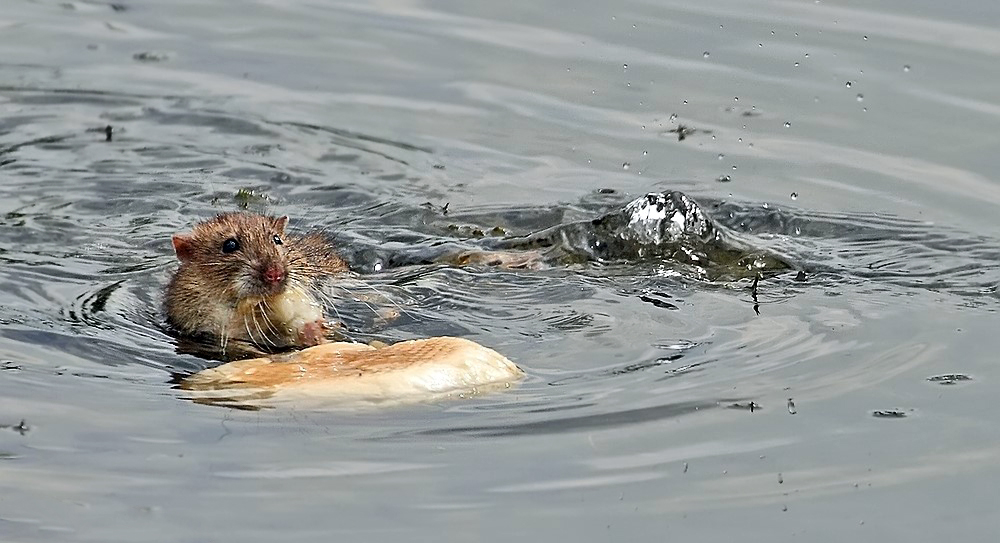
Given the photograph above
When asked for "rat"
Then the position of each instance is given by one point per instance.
(242, 277)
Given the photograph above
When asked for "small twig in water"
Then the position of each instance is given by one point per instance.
(753, 293)
(20, 427)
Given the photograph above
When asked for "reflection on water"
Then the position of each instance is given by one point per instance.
(409, 131)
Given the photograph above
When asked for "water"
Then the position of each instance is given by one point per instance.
(656, 402)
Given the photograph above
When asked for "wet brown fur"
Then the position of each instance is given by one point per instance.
(211, 284)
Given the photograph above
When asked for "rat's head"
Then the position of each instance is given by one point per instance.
(241, 255)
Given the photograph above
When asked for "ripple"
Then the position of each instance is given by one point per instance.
(558, 425)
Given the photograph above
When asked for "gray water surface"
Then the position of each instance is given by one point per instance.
(859, 140)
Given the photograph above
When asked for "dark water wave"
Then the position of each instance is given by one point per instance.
(563, 424)
(881, 249)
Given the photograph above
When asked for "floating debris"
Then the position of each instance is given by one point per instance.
(439, 209)
(683, 131)
(889, 414)
(750, 406)
(21, 427)
(949, 378)
(246, 197)
(151, 56)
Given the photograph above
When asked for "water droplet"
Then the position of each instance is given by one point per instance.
(866, 38)
(861, 97)
(807, 55)
(796, 65)
(734, 166)
(788, 124)
(594, 91)
(685, 102)
(704, 55)
(848, 84)
(760, 45)
(796, 34)
(906, 67)
(626, 165)
(633, 26)
(713, 138)
(644, 153)
(736, 98)
(628, 84)
(643, 127)
(721, 156)
(724, 179)
(795, 196)
(624, 66)
(772, 32)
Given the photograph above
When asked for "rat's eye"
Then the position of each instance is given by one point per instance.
(230, 246)
(277, 240)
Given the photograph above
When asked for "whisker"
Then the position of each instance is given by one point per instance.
(224, 336)
(266, 315)
(262, 334)
(390, 300)
(329, 301)
(247, 325)
(358, 299)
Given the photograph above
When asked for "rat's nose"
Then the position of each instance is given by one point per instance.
(274, 275)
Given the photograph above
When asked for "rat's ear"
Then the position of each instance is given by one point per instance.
(280, 223)
(183, 246)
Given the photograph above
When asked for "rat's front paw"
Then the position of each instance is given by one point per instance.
(313, 333)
